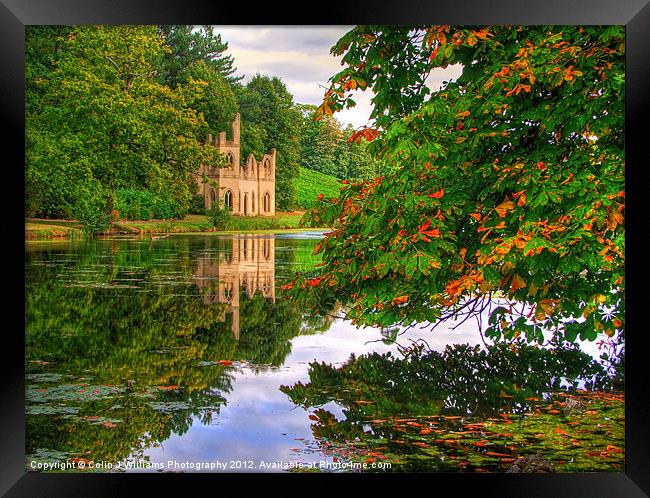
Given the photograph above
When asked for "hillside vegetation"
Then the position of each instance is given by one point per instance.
(310, 183)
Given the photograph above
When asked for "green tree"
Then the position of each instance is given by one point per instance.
(508, 183)
(106, 123)
(217, 103)
(190, 44)
(320, 144)
(270, 119)
(357, 159)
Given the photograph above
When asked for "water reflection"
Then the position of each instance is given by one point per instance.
(176, 349)
(130, 342)
(245, 264)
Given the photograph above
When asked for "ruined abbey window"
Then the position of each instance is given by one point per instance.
(267, 202)
(227, 199)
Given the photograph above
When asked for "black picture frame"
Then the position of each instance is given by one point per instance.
(634, 14)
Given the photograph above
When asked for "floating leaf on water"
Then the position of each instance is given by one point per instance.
(44, 377)
(170, 406)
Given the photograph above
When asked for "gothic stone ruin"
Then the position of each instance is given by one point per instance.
(248, 189)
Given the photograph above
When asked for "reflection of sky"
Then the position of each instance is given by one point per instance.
(260, 423)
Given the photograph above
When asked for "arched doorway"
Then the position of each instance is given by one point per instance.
(246, 204)
(213, 197)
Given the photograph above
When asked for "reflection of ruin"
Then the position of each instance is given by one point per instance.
(248, 265)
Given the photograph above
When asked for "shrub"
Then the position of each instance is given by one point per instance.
(197, 205)
(93, 213)
(309, 184)
(219, 217)
(144, 205)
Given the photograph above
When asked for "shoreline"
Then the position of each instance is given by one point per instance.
(41, 230)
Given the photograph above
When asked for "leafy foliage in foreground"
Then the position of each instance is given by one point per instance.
(509, 180)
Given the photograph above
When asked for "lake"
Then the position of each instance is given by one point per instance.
(179, 355)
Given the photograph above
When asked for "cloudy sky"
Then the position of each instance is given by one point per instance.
(300, 56)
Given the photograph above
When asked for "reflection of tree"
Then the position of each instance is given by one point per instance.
(129, 315)
(439, 410)
(461, 380)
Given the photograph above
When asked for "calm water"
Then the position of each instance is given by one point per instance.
(169, 354)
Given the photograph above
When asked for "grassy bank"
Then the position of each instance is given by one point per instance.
(310, 183)
(38, 229)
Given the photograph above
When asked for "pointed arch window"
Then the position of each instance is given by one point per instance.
(227, 199)
(267, 202)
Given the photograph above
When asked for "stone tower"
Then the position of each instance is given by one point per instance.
(248, 187)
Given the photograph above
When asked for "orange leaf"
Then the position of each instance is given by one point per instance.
(517, 283)
(495, 454)
(504, 207)
(438, 194)
(560, 431)
(400, 300)
(314, 281)
(226, 363)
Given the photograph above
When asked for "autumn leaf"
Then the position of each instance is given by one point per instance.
(504, 207)
(496, 454)
(368, 134)
(438, 194)
(400, 300)
(517, 283)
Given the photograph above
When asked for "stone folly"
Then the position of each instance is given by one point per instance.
(247, 189)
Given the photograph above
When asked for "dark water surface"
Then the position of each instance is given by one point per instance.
(169, 354)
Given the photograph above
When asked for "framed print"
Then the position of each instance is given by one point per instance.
(388, 244)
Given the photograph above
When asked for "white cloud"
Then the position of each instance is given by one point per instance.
(300, 56)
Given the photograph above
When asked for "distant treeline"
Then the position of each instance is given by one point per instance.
(123, 112)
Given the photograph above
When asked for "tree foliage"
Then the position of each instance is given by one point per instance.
(329, 147)
(106, 123)
(507, 183)
(191, 44)
(270, 120)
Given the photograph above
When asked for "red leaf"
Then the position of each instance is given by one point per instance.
(438, 194)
